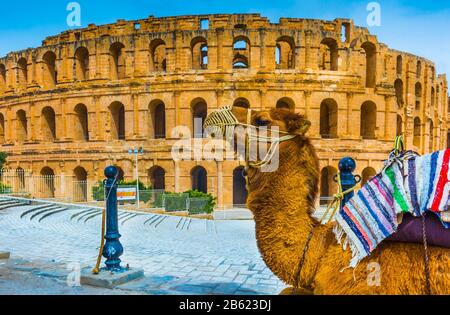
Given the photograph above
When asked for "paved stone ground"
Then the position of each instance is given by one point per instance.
(178, 255)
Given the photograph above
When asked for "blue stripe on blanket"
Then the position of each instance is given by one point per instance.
(412, 185)
(362, 218)
(355, 230)
(381, 206)
(375, 217)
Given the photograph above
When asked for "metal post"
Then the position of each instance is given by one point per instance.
(137, 181)
(346, 168)
(112, 249)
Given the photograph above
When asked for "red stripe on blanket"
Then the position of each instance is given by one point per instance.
(358, 225)
(443, 180)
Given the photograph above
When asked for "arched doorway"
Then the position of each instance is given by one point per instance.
(241, 53)
(284, 53)
(158, 57)
(117, 61)
(242, 102)
(157, 178)
(329, 55)
(368, 120)
(20, 172)
(158, 119)
(367, 174)
(199, 51)
(48, 124)
(80, 184)
(199, 113)
(417, 132)
(239, 187)
(370, 51)
(81, 123)
(199, 179)
(117, 111)
(50, 73)
(81, 64)
(47, 183)
(2, 129)
(286, 103)
(21, 126)
(328, 119)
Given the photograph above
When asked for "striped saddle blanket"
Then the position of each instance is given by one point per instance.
(409, 184)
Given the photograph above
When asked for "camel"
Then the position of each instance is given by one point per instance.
(283, 202)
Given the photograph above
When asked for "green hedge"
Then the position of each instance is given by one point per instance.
(5, 189)
(175, 202)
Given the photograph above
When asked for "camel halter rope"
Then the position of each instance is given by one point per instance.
(223, 122)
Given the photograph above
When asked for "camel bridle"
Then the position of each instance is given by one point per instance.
(223, 121)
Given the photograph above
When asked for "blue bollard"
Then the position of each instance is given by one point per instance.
(112, 249)
(346, 168)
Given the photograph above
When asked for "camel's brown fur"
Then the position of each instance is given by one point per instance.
(282, 203)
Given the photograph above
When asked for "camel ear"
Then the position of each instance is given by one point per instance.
(297, 124)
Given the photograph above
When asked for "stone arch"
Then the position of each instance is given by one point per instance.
(2, 129)
(433, 97)
(117, 61)
(117, 125)
(157, 110)
(81, 64)
(157, 177)
(21, 126)
(398, 85)
(285, 53)
(241, 52)
(81, 131)
(20, 173)
(199, 110)
(417, 132)
(329, 54)
(399, 129)
(242, 102)
(328, 187)
(120, 173)
(50, 75)
(418, 69)
(80, 184)
(199, 52)
(368, 120)
(22, 72)
(370, 64)
(48, 124)
(431, 135)
(47, 183)
(418, 94)
(328, 118)
(239, 187)
(158, 58)
(399, 67)
(199, 179)
(286, 103)
(367, 174)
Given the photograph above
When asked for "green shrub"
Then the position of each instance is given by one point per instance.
(5, 189)
(201, 202)
(175, 202)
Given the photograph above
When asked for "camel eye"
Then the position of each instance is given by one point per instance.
(260, 122)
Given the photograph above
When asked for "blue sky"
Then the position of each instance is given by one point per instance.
(421, 27)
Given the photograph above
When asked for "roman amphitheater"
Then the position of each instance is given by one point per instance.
(85, 97)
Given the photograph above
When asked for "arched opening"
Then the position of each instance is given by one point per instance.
(2, 76)
(20, 173)
(22, 72)
(328, 119)
(398, 85)
(199, 179)
(329, 54)
(367, 174)
(286, 103)
(48, 124)
(419, 69)
(371, 64)
(117, 61)
(158, 119)
(117, 112)
(328, 187)
(158, 57)
(2, 129)
(82, 64)
(199, 113)
(81, 123)
(47, 184)
(433, 97)
(80, 184)
(242, 102)
(399, 130)
(241, 53)
(21, 126)
(49, 69)
(199, 51)
(368, 120)
(431, 135)
(239, 187)
(399, 65)
(284, 53)
(417, 132)
(157, 178)
(418, 93)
